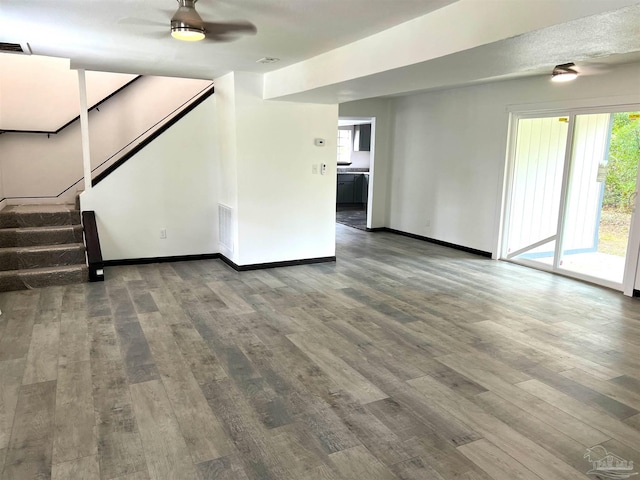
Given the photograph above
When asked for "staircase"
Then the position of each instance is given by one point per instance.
(41, 246)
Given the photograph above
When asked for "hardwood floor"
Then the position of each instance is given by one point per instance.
(353, 216)
(404, 360)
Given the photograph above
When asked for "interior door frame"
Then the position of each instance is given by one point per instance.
(372, 161)
(632, 259)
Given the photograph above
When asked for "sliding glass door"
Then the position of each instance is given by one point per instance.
(572, 195)
(536, 189)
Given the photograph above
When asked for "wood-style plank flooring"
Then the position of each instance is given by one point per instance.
(403, 360)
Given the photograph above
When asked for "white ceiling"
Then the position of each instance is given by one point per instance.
(313, 37)
(132, 36)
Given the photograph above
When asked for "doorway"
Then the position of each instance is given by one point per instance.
(355, 159)
(573, 180)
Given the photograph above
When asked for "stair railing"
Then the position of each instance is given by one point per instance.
(160, 126)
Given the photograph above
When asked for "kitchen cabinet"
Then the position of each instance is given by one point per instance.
(346, 190)
(352, 189)
(364, 190)
(362, 138)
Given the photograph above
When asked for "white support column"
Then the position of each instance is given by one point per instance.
(84, 130)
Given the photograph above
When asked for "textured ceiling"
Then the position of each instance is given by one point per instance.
(595, 42)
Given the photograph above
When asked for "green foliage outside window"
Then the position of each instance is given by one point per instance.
(622, 168)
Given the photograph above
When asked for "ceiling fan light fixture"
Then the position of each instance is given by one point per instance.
(186, 24)
(187, 33)
(564, 73)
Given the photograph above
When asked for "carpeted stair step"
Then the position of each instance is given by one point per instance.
(14, 258)
(40, 246)
(42, 277)
(24, 216)
(33, 236)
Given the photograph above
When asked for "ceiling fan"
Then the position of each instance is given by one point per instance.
(187, 25)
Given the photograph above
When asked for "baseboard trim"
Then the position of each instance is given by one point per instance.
(437, 242)
(377, 229)
(217, 256)
(144, 261)
(288, 263)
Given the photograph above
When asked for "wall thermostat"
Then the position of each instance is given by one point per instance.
(320, 142)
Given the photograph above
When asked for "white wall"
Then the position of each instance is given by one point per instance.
(227, 151)
(449, 150)
(34, 165)
(284, 212)
(41, 93)
(360, 160)
(172, 184)
(380, 111)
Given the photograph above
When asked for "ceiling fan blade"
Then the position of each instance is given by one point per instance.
(141, 22)
(217, 29)
(220, 38)
(159, 35)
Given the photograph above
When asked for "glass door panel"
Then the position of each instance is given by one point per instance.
(536, 189)
(600, 195)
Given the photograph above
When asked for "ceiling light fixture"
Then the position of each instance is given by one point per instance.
(268, 60)
(187, 34)
(564, 73)
(186, 24)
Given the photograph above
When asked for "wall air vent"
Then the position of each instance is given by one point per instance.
(20, 48)
(225, 226)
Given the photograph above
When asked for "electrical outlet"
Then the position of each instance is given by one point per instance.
(314, 169)
(163, 233)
